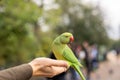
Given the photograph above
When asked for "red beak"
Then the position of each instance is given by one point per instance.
(71, 39)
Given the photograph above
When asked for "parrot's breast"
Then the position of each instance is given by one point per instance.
(58, 51)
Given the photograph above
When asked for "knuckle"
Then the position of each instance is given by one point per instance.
(54, 73)
(50, 76)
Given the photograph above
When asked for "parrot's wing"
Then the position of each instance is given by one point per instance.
(69, 56)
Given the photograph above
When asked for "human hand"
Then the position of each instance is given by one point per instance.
(48, 67)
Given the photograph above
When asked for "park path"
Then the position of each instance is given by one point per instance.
(108, 70)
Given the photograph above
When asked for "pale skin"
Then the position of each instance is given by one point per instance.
(48, 67)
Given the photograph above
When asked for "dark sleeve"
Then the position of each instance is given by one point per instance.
(22, 72)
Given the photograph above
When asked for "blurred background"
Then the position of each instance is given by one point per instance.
(28, 27)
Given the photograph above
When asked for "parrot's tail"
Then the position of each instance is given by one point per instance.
(77, 68)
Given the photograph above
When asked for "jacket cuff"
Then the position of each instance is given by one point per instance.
(23, 72)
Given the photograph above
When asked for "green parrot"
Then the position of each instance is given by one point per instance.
(62, 51)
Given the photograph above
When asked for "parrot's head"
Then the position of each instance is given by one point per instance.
(66, 38)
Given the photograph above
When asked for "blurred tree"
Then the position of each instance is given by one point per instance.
(116, 46)
(85, 21)
(17, 22)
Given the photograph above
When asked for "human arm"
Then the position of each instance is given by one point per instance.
(38, 67)
(21, 72)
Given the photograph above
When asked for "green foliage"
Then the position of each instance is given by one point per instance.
(17, 40)
(116, 44)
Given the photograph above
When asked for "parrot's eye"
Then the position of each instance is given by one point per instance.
(66, 36)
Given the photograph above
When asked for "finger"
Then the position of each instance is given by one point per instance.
(58, 63)
(58, 70)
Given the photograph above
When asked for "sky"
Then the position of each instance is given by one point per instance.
(111, 10)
